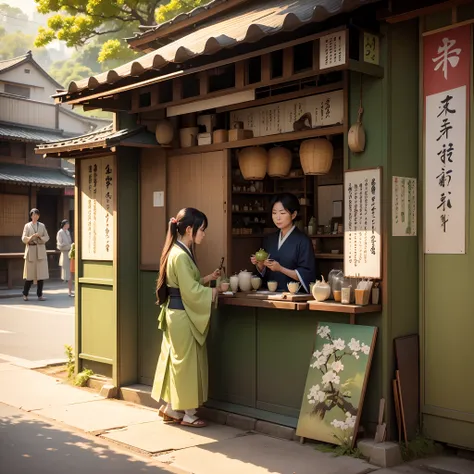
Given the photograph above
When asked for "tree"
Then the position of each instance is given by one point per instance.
(17, 44)
(78, 22)
(65, 72)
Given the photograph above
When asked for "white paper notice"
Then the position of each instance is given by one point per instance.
(404, 213)
(363, 223)
(445, 172)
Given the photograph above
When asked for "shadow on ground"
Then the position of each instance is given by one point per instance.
(31, 445)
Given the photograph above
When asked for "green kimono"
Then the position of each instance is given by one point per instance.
(181, 376)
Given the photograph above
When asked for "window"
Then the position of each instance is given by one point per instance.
(27, 71)
(5, 149)
(17, 90)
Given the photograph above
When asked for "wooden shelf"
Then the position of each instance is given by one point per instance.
(334, 307)
(329, 256)
(281, 137)
(257, 303)
(250, 212)
(255, 193)
(327, 236)
(248, 236)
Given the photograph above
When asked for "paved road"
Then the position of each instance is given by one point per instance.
(35, 330)
(31, 445)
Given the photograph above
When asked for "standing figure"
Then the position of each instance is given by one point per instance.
(35, 237)
(63, 244)
(181, 377)
(291, 251)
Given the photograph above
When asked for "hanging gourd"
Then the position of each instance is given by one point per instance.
(279, 162)
(356, 134)
(316, 156)
(253, 163)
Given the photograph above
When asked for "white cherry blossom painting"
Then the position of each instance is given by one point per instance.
(336, 383)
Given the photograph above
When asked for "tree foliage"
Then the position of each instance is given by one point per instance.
(7, 11)
(65, 72)
(107, 22)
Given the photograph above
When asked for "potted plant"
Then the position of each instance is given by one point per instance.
(72, 258)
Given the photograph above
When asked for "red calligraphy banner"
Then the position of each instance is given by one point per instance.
(446, 80)
(447, 60)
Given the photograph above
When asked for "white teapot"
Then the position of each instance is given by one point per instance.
(321, 290)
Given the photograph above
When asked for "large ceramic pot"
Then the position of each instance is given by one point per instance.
(245, 280)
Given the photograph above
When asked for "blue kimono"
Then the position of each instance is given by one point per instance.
(295, 252)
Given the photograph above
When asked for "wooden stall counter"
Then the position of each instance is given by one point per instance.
(256, 300)
(351, 309)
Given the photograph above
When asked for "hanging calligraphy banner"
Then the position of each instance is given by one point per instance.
(97, 204)
(446, 79)
(363, 223)
(403, 207)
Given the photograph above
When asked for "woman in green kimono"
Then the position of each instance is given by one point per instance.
(182, 374)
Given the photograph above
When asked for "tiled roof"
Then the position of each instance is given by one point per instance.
(9, 63)
(29, 134)
(35, 175)
(248, 24)
(102, 138)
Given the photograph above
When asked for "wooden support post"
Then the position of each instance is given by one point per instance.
(288, 62)
(177, 89)
(266, 68)
(240, 74)
(316, 55)
(203, 83)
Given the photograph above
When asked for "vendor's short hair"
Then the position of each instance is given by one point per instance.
(288, 201)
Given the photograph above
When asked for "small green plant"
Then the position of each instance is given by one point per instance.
(344, 449)
(72, 252)
(419, 447)
(82, 377)
(71, 361)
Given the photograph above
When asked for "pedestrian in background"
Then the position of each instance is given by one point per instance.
(63, 244)
(35, 237)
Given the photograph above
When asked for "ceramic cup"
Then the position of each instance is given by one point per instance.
(256, 283)
(345, 295)
(272, 285)
(225, 286)
(293, 287)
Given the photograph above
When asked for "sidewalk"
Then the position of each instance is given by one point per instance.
(52, 286)
(216, 449)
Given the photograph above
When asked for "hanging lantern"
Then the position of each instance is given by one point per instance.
(253, 162)
(279, 162)
(316, 156)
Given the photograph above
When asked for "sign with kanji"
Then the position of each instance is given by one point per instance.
(97, 203)
(446, 79)
(403, 207)
(332, 50)
(371, 48)
(363, 223)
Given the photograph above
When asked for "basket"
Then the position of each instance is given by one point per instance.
(279, 162)
(316, 156)
(253, 163)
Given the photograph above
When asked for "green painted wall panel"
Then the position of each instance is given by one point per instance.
(98, 321)
(127, 266)
(149, 334)
(232, 355)
(92, 269)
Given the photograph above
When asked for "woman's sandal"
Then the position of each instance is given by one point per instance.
(198, 423)
(25, 298)
(167, 418)
(41, 298)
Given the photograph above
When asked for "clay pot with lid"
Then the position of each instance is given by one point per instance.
(164, 132)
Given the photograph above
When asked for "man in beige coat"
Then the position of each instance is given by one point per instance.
(35, 237)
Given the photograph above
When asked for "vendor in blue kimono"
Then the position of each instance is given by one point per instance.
(291, 255)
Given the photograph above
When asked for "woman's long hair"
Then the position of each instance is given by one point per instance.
(187, 217)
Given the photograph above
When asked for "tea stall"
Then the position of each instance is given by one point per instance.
(235, 123)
